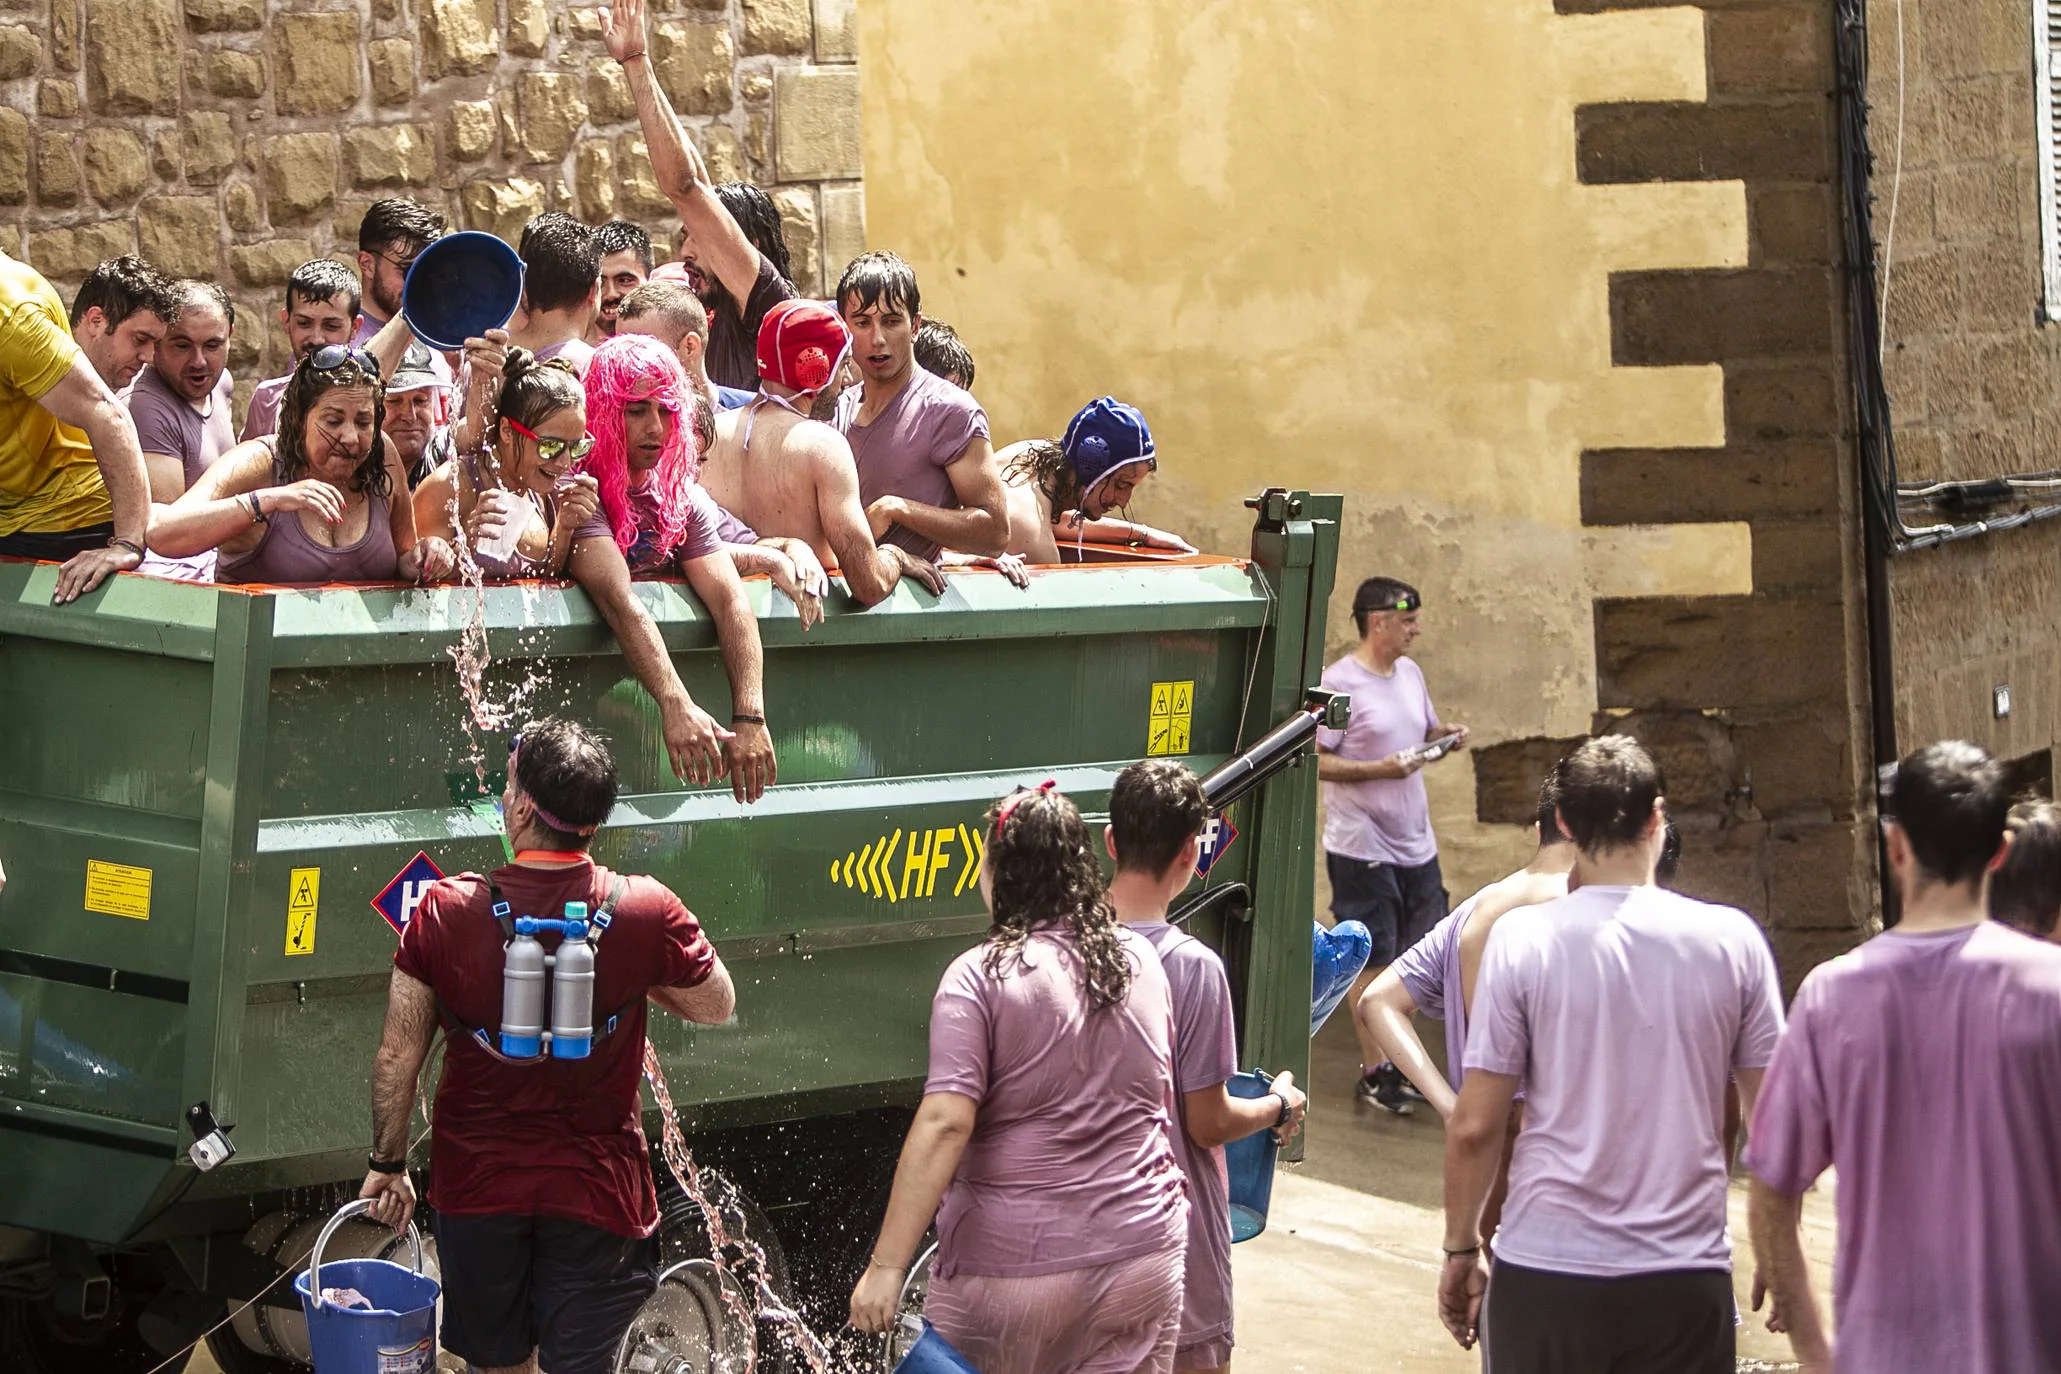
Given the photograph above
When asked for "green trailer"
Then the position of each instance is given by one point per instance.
(214, 804)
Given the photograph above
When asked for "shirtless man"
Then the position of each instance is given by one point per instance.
(788, 476)
(1066, 490)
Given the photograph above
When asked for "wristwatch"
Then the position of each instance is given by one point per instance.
(385, 1166)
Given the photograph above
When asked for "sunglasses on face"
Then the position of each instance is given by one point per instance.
(330, 357)
(550, 450)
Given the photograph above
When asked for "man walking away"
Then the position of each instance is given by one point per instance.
(1925, 1067)
(1379, 851)
(539, 1170)
(1156, 815)
(2025, 891)
(1620, 1009)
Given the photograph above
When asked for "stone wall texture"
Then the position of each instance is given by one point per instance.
(1974, 373)
(234, 139)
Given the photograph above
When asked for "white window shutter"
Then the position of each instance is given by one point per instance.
(2046, 20)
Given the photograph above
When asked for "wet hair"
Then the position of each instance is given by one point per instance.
(323, 279)
(532, 391)
(878, 278)
(122, 286)
(940, 350)
(308, 385)
(672, 303)
(1547, 816)
(1670, 861)
(1045, 878)
(704, 424)
(759, 218)
(1155, 807)
(625, 369)
(1044, 464)
(398, 220)
(189, 290)
(1951, 799)
(561, 261)
(1380, 594)
(621, 236)
(1607, 791)
(2025, 891)
(566, 769)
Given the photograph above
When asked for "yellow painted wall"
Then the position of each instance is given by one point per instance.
(1336, 244)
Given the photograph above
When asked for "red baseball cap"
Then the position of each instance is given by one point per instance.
(802, 344)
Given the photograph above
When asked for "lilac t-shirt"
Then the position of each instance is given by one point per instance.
(167, 423)
(1624, 1009)
(1072, 1161)
(1430, 969)
(1205, 1056)
(1926, 1069)
(701, 537)
(262, 415)
(574, 353)
(1384, 821)
(907, 448)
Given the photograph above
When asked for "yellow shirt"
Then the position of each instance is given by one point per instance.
(48, 480)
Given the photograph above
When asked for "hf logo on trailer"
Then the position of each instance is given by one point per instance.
(1218, 835)
(397, 902)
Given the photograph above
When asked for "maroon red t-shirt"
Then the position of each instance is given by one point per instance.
(551, 1137)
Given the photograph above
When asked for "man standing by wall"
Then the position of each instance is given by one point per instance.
(181, 402)
(561, 282)
(1925, 1067)
(1379, 851)
(321, 308)
(625, 265)
(119, 318)
(539, 1170)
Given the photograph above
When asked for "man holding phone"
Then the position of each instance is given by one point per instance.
(1379, 851)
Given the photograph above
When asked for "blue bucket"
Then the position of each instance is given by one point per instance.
(1338, 955)
(461, 286)
(1250, 1163)
(933, 1354)
(397, 1335)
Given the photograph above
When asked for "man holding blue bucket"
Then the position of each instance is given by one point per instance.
(1156, 815)
(539, 1170)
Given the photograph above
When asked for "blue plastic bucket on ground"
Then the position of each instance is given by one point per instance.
(397, 1335)
(1250, 1163)
(1338, 955)
(933, 1354)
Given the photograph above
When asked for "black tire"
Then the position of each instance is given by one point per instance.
(237, 1358)
(35, 1339)
(683, 1236)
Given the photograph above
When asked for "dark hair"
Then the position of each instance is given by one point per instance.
(2025, 891)
(397, 219)
(1381, 594)
(759, 218)
(1670, 861)
(704, 424)
(189, 289)
(566, 769)
(1607, 791)
(560, 259)
(1951, 799)
(1045, 877)
(1547, 816)
(619, 235)
(307, 385)
(1044, 463)
(121, 287)
(940, 350)
(673, 303)
(879, 278)
(1155, 807)
(532, 391)
(323, 279)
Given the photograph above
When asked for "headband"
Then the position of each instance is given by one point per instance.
(1009, 807)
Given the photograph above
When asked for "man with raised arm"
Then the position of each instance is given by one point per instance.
(788, 476)
(72, 482)
(731, 242)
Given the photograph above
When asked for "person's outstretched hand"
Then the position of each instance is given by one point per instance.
(622, 29)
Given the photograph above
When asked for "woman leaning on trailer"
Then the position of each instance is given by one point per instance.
(1045, 1130)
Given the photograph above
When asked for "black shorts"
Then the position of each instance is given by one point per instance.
(56, 546)
(513, 1284)
(1675, 1322)
(1398, 904)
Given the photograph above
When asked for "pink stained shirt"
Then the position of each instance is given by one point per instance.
(1072, 1158)
(1385, 821)
(1623, 1009)
(907, 448)
(1926, 1070)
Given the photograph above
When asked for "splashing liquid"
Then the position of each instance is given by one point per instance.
(486, 714)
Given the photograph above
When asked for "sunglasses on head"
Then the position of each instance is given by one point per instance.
(330, 357)
(550, 449)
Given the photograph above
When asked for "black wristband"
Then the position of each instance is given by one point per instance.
(1281, 1120)
(742, 719)
(131, 545)
(385, 1166)
(1456, 1254)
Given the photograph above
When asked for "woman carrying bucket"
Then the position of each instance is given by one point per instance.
(1046, 1127)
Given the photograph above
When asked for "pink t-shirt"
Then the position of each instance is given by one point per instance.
(1430, 969)
(1386, 821)
(1072, 1162)
(1926, 1069)
(907, 448)
(261, 417)
(1205, 1056)
(701, 537)
(166, 422)
(1623, 1009)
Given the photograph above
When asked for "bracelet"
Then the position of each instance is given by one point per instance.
(1281, 1120)
(890, 1268)
(1474, 1249)
(385, 1166)
(740, 718)
(257, 510)
(626, 61)
(131, 545)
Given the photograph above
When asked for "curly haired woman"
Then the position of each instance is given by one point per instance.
(1045, 1129)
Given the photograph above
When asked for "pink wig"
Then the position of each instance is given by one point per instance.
(626, 369)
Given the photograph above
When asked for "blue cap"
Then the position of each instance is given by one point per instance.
(1105, 436)
(459, 287)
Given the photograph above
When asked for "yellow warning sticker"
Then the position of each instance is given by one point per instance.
(1173, 714)
(118, 890)
(303, 889)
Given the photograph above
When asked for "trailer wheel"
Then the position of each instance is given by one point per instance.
(237, 1358)
(36, 1339)
(687, 1256)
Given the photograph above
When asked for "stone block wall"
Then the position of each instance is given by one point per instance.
(1973, 368)
(235, 139)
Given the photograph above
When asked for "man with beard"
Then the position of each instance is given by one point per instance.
(625, 266)
(731, 243)
(393, 231)
(321, 308)
(180, 403)
(119, 316)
